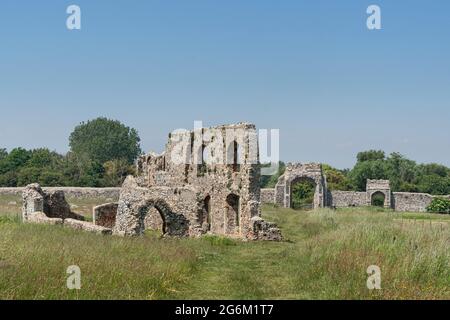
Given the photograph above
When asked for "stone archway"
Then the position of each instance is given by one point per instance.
(295, 172)
(377, 187)
(135, 204)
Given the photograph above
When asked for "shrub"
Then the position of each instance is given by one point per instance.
(439, 205)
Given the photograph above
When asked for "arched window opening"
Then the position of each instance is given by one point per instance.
(232, 218)
(205, 219)
(204, 156)
(234, 156)
(152, 221)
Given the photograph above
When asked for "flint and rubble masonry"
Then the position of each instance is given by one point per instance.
(75, 192)
(401, 201)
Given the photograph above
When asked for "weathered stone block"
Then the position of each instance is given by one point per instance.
(105, 214)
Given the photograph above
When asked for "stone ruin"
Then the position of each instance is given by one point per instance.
(381, 187)
(51, 207)
(297, 172)
(398, 201)
(205, 182)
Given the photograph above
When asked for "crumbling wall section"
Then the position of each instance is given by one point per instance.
(413, 202)
(135, 203)
(105, 215)
(53, 204)
(340, 199)
(218, 164)
(263, 230)
(33, 200)
(51, 207)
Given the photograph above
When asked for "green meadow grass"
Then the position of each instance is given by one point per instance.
(325, 256)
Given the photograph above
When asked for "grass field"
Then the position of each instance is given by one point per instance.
(325, 256)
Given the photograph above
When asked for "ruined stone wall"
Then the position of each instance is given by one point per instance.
(52, 203)
(339, 199)
(178, 208)
(268, 195)
(401, 201)
(414, 202)
(76, 192)
(221, 166)
(51, 207)
(224, 164)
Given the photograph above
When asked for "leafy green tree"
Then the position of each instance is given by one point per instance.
(336, 179)
(51, 178)
(116, 171)
(400, 171)
(101, 140)
(28, 175)
(370, 155)
(434, 184)
(17, 158)
(8, 179)
(433, 169)
(374, 169)
(3, 154)
(44, 158)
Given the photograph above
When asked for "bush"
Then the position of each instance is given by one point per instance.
(439, 205)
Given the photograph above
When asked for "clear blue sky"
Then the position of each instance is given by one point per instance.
(310, 68)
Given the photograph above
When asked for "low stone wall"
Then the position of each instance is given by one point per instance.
(415, 202)
(86, 226)
(12, 191)
(268, 195)
(341, 199)
(401, 201)
(76, 192)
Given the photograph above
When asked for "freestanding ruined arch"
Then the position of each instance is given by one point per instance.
(375, 187)
(296, 172)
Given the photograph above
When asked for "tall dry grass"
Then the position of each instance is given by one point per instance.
(325, 256)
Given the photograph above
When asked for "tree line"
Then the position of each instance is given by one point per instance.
(102, 153)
